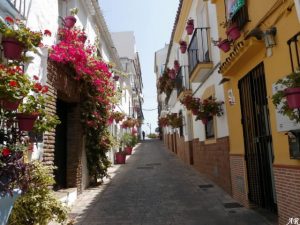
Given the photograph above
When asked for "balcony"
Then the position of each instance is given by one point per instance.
(17, 8)
(182, 80)
(199, 54)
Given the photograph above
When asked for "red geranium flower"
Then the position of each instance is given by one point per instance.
(47, 32)
(13, 83)
(37, 87)
(45, 89)
(6, 152)
(9, 20)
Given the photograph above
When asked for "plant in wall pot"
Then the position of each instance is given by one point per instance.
(232, 30)
(16, 37)
(287, 100)
(190, 26)
(14, 86)
(224, 44)
(69, 21)
(129, 140)
(176, 65)
(183, 46)
(209, 107)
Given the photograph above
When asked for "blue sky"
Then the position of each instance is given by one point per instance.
(152, 22)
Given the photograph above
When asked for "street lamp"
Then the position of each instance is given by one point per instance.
(149, 125)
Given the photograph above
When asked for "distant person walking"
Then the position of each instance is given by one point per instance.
(143, 133)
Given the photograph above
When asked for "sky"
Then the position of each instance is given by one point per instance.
(152, 23)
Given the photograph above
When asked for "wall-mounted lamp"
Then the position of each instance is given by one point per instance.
(269, 37)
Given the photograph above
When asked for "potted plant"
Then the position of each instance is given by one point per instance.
(224, 44)
(118, 116)
(183, 46)
(174, 120)
(191, 103)
(190, 26)
(209, 107)
(176, 65)
(116, 77)
(16, 37)
(163, 121)
(172, 73)
(232, 30)
(69, 21)
(38, 205)
(120, 156)
(287, 100)
(33, 107)
(14, 86)
(129, 141)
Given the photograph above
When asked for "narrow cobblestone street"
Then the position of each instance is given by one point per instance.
(156, 188)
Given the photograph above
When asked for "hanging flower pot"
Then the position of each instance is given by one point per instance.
(69, 21)
(128, 150)
(204, 120)
(176, 65)
(183, 46)
(26, 121)
(224, 45)
(10, 104)
(120, 157)
(116, 77)
(293, 97)
(233, 32)
(190, 26)
(172, 74)
(12, 48)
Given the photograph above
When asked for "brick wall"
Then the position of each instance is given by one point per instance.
(287, 184)
(238, 179)
(63, 86)
(184, 150)
(212, 160)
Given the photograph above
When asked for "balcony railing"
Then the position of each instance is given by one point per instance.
(182, 80)
(294, 47)
(198, 51)
(19, 5)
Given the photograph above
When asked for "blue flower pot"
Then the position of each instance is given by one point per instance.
(6, 205)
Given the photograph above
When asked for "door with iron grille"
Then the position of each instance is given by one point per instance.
(257, 139)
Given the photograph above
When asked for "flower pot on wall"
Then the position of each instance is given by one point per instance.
(69, 21)
(6, 205)
(120, 158)
(26, 121)
(224, 45)
(190, 26)
(172, 74)
(233, 32)
(9, 104)
(183, 48)
(176, 65)
(12, 48)
(293, 97)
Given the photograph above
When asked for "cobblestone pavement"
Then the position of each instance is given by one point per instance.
(155, 188)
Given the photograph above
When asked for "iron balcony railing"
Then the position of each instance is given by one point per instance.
(294, 48)
(20, 5)
(198, 51)
(182, 80)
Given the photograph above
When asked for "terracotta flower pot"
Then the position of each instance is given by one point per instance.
(12, 48)
(189, 29)
(69, 21)
(26, 121)
(128, 150)
(120, 158)
(233, 32)
(9, 104)
(176, 65)
(183, 48)
(293, 97)
(224, 45)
